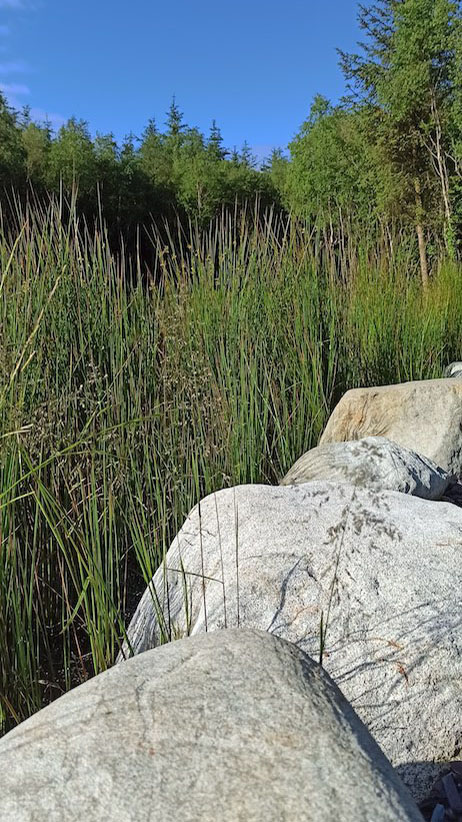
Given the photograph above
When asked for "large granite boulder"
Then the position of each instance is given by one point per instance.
(375, 463)
(382, 570)
(236, 725)
(424, 416)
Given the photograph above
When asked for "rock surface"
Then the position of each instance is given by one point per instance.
(375, 463)
(424, 416)
(385, 572)
(454, 370)
(236, 725)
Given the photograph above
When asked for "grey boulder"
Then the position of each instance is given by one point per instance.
(454, 370)
(374, 462)
(382, 570)
(236, 725)
(424, 416)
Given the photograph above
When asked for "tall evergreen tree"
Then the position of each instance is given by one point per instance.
(247, 158)
(175, 124)
(406, 69)
(215, 143)
(152, 155)
(12, 152)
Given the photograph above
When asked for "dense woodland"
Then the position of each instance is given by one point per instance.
(388, 157)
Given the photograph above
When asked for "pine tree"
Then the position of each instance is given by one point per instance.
(12, 152)
(247, 158)
(175, 125)
(150, 130)
(406, 70)
(215, 143)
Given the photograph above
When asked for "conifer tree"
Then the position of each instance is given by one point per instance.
(12, 152)
(406, 69)
(215, 143)
(175, 125)
(72, 158)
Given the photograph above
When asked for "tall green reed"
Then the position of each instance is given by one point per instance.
(126, 394)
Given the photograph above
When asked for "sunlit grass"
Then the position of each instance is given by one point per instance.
(127, 394)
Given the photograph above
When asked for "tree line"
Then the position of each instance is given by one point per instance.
(387, 158)
(162, 172)
(391, 152)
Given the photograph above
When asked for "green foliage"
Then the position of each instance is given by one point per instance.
(175, 125)
(215, 143)
(330, 172)
(408, 72)
(72, 158)
(158, 175)
(12, 153)
(277, 168)
(386, 160)
(122, 402)
(36, 141)
(129, 389)
(390, 156)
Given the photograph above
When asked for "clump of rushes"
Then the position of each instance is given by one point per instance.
(127, 394)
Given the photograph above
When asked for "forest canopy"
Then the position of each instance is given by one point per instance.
(387, 157)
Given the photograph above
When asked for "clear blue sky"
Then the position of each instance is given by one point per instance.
(253, 66)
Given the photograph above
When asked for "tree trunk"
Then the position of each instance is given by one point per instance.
(420, 233)
(442, 171)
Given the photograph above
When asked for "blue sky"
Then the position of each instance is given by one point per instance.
(253, 66)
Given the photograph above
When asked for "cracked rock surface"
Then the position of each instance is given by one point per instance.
(383, 570)
(236, 725)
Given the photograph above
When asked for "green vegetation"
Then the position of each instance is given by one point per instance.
(160, 174)
(208, 345)
(389, 154)
(387, 157)
(122, 403)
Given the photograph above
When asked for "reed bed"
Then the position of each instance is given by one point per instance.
(127, 392)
